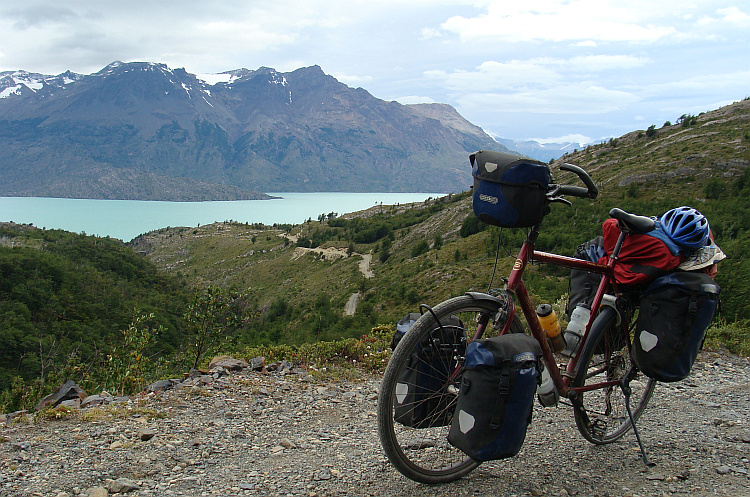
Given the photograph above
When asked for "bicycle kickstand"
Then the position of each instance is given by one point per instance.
(626, 391)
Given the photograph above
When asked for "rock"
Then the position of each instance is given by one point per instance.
(71, 403)
(724, 470)
(68, 391)
(161, 385)
(287, 444)
(115, 445)
(228, 363)
(257, 363)
(97, 492)
(122, 486)
(92, 400)
(145, 434)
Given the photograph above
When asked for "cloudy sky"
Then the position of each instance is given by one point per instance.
(533, 69)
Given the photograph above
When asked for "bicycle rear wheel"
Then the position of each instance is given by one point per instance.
(419, 449)
(605, 358)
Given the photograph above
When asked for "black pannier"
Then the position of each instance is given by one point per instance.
(509, 190)
(496, 396)
(419, 398)
(676, 309)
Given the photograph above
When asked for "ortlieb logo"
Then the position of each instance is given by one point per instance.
(487, 198)
(525, 357)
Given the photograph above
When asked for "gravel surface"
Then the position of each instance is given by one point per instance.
(251, 433)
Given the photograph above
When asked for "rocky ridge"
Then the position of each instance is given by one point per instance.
(242, 430)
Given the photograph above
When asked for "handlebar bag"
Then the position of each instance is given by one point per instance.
(420, 400)
(509, 190)
(496, 396)
(676, 309)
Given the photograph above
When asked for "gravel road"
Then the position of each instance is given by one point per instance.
(250, 433)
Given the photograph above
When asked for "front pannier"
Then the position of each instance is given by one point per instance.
(420, 400)
(496, 396)
(509, 190)
(676, 309)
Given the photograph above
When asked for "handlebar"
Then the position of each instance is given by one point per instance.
(590, 191)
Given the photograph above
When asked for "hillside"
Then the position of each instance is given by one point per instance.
(144, 131)
(66, 298)
(685, 155)
(429, 259)
(63, 297)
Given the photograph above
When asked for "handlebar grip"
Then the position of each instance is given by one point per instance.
(576, 191)
(591, 191)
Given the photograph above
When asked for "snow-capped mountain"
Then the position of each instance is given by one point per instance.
(116, 132)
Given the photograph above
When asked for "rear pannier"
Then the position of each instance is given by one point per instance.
(419, 399)
(509, 190)
(496, 396)
(676, 309)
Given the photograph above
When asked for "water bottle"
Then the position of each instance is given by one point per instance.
(547, 391)
(551, 326)
(576, 328)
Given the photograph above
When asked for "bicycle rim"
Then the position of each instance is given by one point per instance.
(422, 451)
(605, 358)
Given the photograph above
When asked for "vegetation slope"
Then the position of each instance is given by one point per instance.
(75, 305)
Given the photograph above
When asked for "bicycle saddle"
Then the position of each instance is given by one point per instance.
(633, 222)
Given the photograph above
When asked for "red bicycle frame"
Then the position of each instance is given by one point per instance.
(517, 287)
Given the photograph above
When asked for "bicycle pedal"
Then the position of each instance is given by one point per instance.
(599, 429)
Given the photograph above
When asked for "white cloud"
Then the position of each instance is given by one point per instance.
(572, 138)
(352, 80)
(414, 99)
(591, 63)
(588, 20)
(496, 76)
(734, 15)
(428, 33)
(562, 99)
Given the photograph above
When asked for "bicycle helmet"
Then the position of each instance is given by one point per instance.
(686, 226)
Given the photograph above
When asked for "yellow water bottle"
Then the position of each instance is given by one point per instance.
(551, 326)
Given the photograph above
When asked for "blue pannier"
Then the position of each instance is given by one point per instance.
(509, 190)
(496, 396)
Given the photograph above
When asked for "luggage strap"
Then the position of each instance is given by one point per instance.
(503, 389)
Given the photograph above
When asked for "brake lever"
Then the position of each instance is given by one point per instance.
(560, 200)
(552, 196)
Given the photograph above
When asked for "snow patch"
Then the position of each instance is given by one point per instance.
(212, 79)
(10, 91)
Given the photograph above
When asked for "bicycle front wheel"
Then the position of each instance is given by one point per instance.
(419, 390)
(605, 358)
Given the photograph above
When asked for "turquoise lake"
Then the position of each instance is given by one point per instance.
(126, 219)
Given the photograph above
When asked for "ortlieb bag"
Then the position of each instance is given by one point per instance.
(676, 309)
(643, 257)
(584, 284)
(509, 190)
(496, 396)
(404, 324)
(431, 363)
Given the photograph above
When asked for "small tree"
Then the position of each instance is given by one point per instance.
(714, 189)
(651, 131)
(211, 318)
(438, 242)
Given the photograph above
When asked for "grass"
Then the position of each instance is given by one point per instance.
(734, 337)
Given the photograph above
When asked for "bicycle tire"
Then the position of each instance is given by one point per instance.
(605, 357)
(424, 454)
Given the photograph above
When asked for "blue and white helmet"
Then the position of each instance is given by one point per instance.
(686, 226)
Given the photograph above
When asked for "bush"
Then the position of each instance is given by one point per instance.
(421, 248)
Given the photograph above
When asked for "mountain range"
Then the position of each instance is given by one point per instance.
(141, 130)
